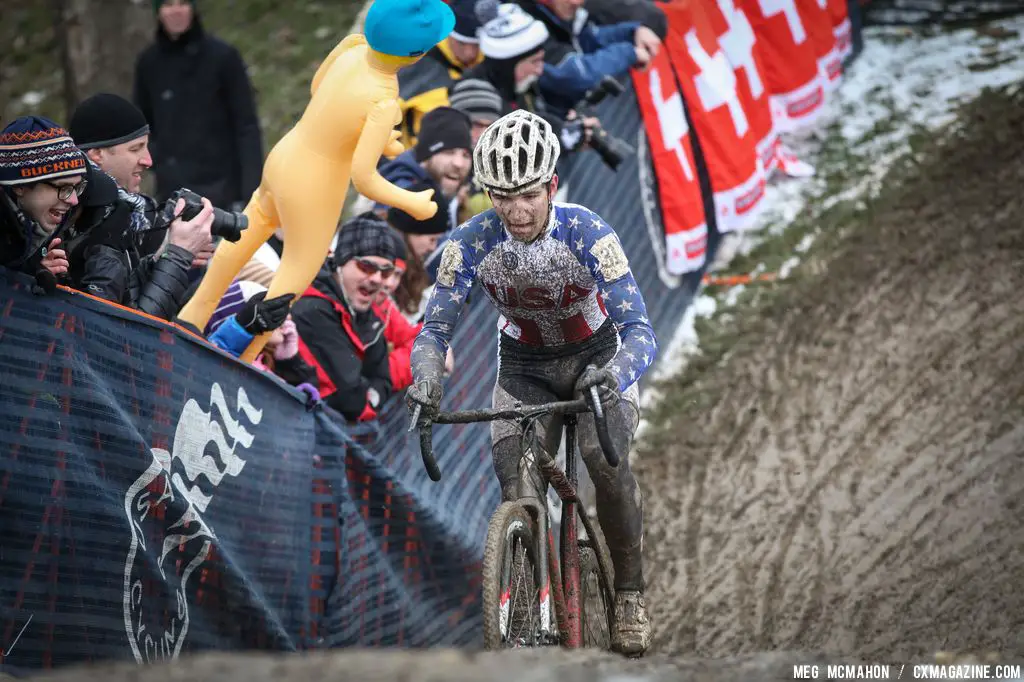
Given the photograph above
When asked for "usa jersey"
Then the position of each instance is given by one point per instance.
(556, 291)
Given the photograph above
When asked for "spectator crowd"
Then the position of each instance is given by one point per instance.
(72, 210)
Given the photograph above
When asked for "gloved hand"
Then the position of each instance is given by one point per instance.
(258, 316)
(427, 394)
(605, 380)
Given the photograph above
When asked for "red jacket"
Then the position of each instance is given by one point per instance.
(348, 351)
(400, 335)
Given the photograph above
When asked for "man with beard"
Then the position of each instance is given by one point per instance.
(443, 153)
(339, 335)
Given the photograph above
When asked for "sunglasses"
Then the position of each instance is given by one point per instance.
(369, 267)
(64, 192)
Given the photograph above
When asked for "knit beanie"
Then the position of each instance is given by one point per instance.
(476, 97)
(443, 128)
(106, 120)
(436, 224)
(507, 31)
(33, 148)
(467, 25)
(364, 235)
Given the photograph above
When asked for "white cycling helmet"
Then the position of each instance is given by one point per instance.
(516, 153)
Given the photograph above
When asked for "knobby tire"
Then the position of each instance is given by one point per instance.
(511, 547)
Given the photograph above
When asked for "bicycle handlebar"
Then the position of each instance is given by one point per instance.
(473, 416)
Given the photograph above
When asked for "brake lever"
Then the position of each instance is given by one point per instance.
(415, 419)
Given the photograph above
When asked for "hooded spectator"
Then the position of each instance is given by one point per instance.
(579, 54)
(243, 313)
(424, 86)
(195, 93)
(339, 334)
(443, 153)
(512, 43)
(42, 176)
(420, 238)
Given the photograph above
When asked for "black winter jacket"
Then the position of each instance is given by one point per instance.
(347, 350)
(204, 131)
(106, 261)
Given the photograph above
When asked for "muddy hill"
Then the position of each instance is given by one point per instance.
(846, 480)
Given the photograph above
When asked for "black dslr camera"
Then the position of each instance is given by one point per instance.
(612, 150)
(226, 224)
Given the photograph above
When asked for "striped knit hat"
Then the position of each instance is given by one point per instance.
(33, 148)
(476, 97)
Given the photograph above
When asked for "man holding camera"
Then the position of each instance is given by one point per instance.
(123, 251)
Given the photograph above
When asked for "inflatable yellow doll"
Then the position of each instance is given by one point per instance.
(347, 126)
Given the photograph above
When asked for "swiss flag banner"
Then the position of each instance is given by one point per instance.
(818, 20)
(727, 138)
(668, 135)
(790, 62)
(738, 40)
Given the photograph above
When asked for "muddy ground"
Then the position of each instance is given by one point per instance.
(849, 478)
(845, 479)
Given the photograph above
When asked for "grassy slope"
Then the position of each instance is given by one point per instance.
(283, 42)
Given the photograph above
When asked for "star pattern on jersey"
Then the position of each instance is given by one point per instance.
(578, 230)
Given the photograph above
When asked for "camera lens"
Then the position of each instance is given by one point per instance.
(228, 224)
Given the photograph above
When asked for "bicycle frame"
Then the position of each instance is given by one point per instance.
(564, 592)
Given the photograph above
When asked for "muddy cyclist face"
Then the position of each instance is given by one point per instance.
(526, 215)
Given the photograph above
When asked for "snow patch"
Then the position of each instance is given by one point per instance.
(904, 82)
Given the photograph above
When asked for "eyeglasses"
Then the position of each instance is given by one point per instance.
(64, 192)
(369, 267)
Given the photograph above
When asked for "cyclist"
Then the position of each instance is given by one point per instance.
(568, 300)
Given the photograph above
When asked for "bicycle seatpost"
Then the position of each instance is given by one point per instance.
(601, 421)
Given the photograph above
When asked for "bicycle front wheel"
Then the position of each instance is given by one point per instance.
(511, 593)
(597, 605)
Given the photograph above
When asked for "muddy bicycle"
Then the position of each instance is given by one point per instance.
(524, 578)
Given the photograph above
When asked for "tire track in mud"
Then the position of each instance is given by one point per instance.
(855, 484)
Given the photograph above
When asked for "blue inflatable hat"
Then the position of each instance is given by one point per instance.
(407, 28)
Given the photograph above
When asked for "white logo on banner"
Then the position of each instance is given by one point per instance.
(716, 83)
(738, 44)
(183, 550)
(788, 8)
(672, 121)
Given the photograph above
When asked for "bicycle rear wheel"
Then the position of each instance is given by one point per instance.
(512, 596)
